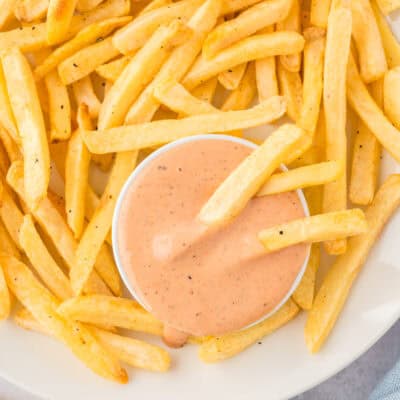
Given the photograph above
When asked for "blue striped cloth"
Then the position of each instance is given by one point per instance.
(389, 388)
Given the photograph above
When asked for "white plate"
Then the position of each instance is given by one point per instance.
(279, 368)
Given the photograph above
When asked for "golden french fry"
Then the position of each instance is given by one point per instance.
(292, 22)
(299, 178)
(245, 181)
(319, 12)
(77, 174)
(222, 347)
(59, 107)
(253, 48)
(43, 263)
(140, 70)
(112, 70)
(231, 78)
(206, 90)
(334, 95)
(29, 118)
(42, 305)
(313, 66)
(84, 93)
(58, 19)
(6, 114)
(87, 5)
(314, 229)
(123, 313)
(368, 41)
(387, 6)
(30, 10)
(178, 63)
(178, 99)
(390, 96)
(292, 90)
(373, 117)
(136, 33)
(335, 288)
(135, 137)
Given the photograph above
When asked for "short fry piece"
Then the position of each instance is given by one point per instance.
(59, 16)
(135, 137)
(84, 93)
(317, 228)
(299, 178)
(335, 288)
(236, 190)
(42, 304)
(41, 260)
(29, 118)
(226, 346)
(231, 78)
(319, 12)
(112, 70)
(391, 101)
(123, 313)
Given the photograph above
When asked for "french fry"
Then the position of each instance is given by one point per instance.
(206, 90)
(313, 65)
(292, 22)
(7, 12)
(300, 178)
(178, 99)
(139, 71)
(28, 115)
(368, 41)
(291, 89)
(117, 311)
(30, 10)
(43, 263)
(6, 114)
(253, 48)
(222, 347)
(112, 70)
(334, 95)
(85, 37)
(59, 107)
(390, 90)
(87, 5)
(85, 61)
(84, 93)
(140, 136)
(246, 179)
(42, 305)
(361, 101)
(250, 21)
(5, 301)
(336, 285)
(77, 174)
(314, 229)
(133, 352)
(387, 6)
(136, 33)
(231, 78)
(178, 63)
(319, 12)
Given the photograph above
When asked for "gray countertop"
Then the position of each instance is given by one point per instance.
(355, 382)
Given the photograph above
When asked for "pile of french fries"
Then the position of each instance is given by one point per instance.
(93, 83)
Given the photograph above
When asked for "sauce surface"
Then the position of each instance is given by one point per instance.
(198, 281)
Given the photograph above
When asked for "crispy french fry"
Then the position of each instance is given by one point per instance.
(135, 137)
(112, 70)
(391, 101)
(77, 174)
(206, 90)
(314, 229)
(313, 66)
(59, 107)
(387, 6)
(43, 263)
(299, 178)
(231, 78)
(84, 93)
(250, 21)
(136, 33)
(85, 61)
(87, 5)
(292, 22)
(30, 10)
(335, 288)
(368, 41)
(42, 305)
(139, 71)
(178, 99)
(361, 101)
(291, 89)
(222, 347)
(5, 301)
(245, 181)
(6, 115)
(319, 12)
(123, 313)
(253, 48)
(334, 95)
(29, 118)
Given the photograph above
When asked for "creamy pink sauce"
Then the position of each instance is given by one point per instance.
(200, 281)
